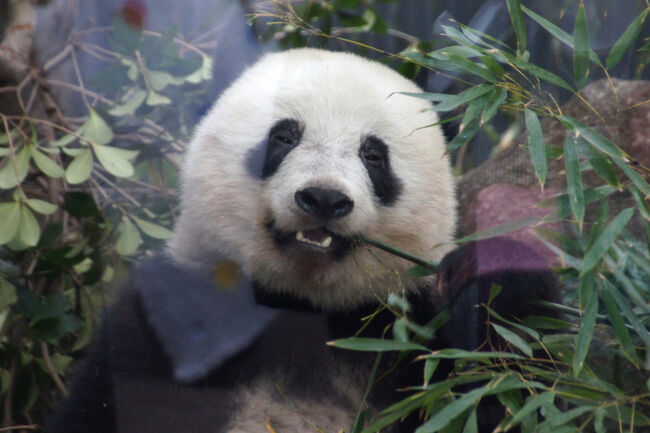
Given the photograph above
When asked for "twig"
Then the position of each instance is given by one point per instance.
(400, 253)
(50, 368)
(20, 427)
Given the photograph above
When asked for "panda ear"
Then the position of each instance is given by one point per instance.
(200, 321)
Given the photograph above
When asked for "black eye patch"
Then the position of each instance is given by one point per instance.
(283, 138)
(375, 157)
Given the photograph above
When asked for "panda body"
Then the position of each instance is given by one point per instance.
(304, 155)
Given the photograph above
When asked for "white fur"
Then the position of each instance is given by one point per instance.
(339, 99)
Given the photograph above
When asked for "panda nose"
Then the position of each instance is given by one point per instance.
(324, 203)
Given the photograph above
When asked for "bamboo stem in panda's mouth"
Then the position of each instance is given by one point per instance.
(432, 266)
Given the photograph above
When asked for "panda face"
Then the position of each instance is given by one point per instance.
(305, 154)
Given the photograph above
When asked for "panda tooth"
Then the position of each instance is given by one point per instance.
(300, 237)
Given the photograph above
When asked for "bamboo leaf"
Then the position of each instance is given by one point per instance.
(585, 335)
(517, 19)
(430, 366)
(9, 221)
(513, 339)
(464, 136)
(448, 413)
(115, 160)
(29, 232)
(47, 165)
(500, 229)
(605, 240)
(495, 102)
(618, 325)
(129, 107)
(622, 45)
(465, 354)
(471, 424)
(41, 206)
(95, 129)
(574, 179)
(536, 146)
(473, 68)
(623, 304)
(80, 168)
(531, 405)
(581, 49)
(538, 72)
(635, 177)
(594, 138)
(450, 102)
(375, 345)
(153, 230)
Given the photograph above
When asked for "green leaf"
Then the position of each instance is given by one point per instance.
(161, 79)
(513, 339)
(585, 335)
(155, 98)
(14, 172)
(635, 177)
(538, 72)
(605, 240)
(430, 366)
(624, 305)
(74, 151)
(41, 206)
(95, 129)
(9, 221)
(375, 345)
(624, 42)
(448, 413)
(29, 232)
(153, 230)
(558, 33)
(464, 136)
(495, 102)
(473, 68)
(449, 102)
(536, 146)
(66, 139)
(8, 295)
(581, 49)
(47, 165)
(514, 8)
(601, 165)
(115, 160)
(574, 179)
(499, 230)
(471, 424)
(128, 238)
(130, 105)
(204, 72)
(80, 168)
(594, 138)
(531, 405)
(465, 354)
(618, 325)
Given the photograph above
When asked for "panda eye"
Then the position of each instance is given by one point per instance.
(284, 138)
(373, 153)
(374, 158)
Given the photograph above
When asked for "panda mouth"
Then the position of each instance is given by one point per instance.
(316, 239)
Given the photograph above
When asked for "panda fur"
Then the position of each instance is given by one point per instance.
(306, 144)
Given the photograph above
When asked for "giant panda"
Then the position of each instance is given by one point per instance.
(302, 157)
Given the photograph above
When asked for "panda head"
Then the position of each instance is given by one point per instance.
(307, 152)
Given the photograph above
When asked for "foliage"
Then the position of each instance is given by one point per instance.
(553, 381)
(81, 197)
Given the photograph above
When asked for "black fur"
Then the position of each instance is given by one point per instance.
(375, 157)
(283, 138)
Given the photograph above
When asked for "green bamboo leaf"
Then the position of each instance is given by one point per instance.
(448, 413)
(47, 165)
(500, 229)
(493, 66)
(531, 405)
(618, 325)
(9, 221)
(624, 42)
(128, 238)
(116, 160)
(131, 104)
(536, 146)
(604, 168)
(558, 33)
(464, 136)
(153, 230)
(597, 140)
(635, 177)
(375, 345)
(15, 170)
(624, 305)
(585, 335)
(29, 232)
(641, 203)
(517, 19)
(80, 168)
(495, 102)
(430, 366)
(513, 339)
(465, 354)
(95, 129)
(453, 101)
(581, 49)
(471, 424)
(605, 240)
(41, 206)
(586, 288)
(574, 179)
(473, 68)
(538, 72)
(155, 98)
